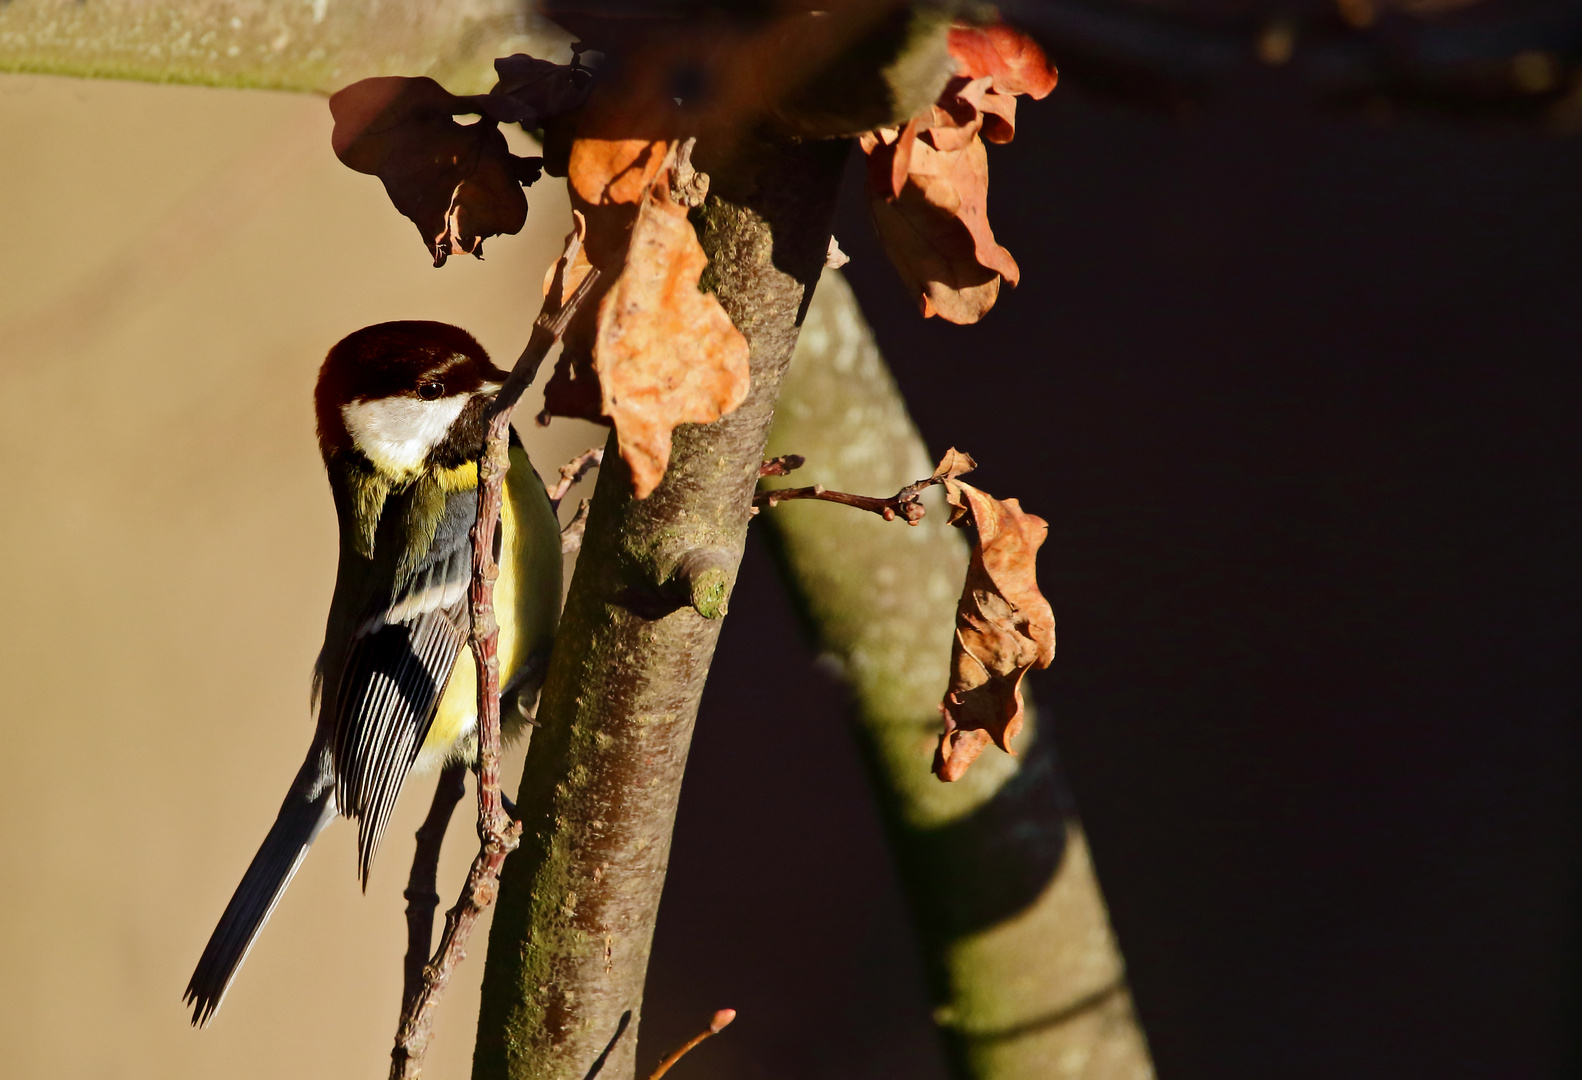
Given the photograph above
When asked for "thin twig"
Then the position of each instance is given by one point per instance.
(906, 503)
(498, 834)
(422, 894)
(571, 532)
(718, 1024)
(572, 472)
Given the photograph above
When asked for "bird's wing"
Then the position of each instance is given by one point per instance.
(400, 645)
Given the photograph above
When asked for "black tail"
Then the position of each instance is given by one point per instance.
(301, 817)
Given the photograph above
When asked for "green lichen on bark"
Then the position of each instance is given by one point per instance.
(1027, 978)
(568, 952)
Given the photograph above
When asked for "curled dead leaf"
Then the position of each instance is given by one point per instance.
(1004, 628)
(567, 272)
(955, 463)
(934, 222)
(928, 182)
(458, 183)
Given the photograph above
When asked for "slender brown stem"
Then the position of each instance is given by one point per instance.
(572, 472)
(720, 1021)
(498, 834)
(422, 893)
(571, 532)
(905, 503)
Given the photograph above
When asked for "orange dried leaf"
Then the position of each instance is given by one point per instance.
(1004, 628)
(665, 352)
(606, 171)
(1015, 61)
(936, 227)
(567, 272)
(623, 140)
(657, 351)
(928, 182)
(619, 151)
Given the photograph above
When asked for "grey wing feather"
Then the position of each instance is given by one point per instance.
(392, 673)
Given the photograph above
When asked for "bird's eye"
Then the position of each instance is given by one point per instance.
(430, 390)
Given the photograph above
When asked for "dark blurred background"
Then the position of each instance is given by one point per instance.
(1292, 373)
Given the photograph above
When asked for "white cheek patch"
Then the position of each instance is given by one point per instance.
(396, 434)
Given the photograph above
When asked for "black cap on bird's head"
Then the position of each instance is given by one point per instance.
(393, 390)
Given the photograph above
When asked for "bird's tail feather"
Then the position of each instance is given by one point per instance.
(301, 818)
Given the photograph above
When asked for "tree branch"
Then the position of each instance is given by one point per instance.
(1025, 970)
(422, 893)
(498, 835)
(571, 532)
(906, 503)
(568, 952)
(572, 473)
(720, 1021)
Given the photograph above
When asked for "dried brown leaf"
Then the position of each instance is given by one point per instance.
(666, 353)
(458, 183)
(530, 91)
(620, 149)
(1004, 628)
(935, 225)
(623, 140)
(928, 182)
(658, 352)
(955, 463)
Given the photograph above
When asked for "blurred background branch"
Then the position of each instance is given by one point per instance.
(1027, 978)
(312, 45)
(1517, 60)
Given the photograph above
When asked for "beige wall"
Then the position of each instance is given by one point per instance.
(176, 262)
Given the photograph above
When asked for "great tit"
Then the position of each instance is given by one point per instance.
(401, 419)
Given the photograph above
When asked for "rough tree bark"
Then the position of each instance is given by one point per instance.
(568, 952)
(1027, 978)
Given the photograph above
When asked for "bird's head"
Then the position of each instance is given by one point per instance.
(394, 392)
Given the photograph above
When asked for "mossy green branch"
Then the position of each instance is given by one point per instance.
(1027, 977)
(568, 953)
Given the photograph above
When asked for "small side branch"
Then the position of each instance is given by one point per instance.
(572, 473)
(498, 834)
(906, 504)
(422, 893)
(720, 1021)
(571, 532)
